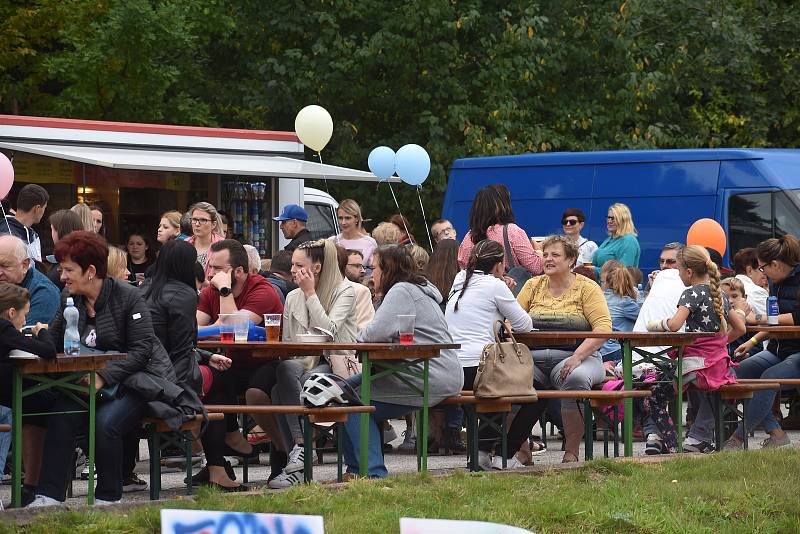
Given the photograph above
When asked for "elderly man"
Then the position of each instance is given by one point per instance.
(293, 221)
(442, 229)
(15, 268)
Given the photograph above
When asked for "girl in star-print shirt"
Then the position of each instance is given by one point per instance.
(706, 363)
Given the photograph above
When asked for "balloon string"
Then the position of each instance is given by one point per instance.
(424, 219)
(408, 234)
(5, 218)
(324, 177)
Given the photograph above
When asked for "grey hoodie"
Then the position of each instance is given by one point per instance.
(446, 377)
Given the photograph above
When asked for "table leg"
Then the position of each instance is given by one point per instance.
(627, 374)
(679, 401)
(16, 438)
(366, 385)
(423, 430)
(308, 459)
(92, 430)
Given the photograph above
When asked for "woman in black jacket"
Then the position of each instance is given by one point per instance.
(113, 316)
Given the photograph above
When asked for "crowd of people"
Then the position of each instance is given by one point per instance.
(148, 299)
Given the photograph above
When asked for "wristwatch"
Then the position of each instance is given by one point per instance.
(224, 291)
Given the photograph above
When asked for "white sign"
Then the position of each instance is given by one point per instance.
(409, 525)
(213, 522)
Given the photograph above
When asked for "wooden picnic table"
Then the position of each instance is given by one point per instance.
(377, 359)
(63, 374)
(630, 342)
(776, 332)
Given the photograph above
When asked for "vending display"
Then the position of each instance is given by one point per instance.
(244, 200)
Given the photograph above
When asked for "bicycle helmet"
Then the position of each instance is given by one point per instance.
(323, 389)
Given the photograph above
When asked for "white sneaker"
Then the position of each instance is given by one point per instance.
(101, 502)
(390, 434)
(511, 463)
(285, 480)
(295, 462)
(485, 460)
(42, 501)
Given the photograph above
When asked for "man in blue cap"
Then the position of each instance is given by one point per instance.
(293, 220)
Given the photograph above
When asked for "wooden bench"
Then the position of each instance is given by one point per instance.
(311, 416)
(160, 436)
(726, 400)
(503, 405)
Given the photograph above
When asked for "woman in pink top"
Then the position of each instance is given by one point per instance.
(490, 212)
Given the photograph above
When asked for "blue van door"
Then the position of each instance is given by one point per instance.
(755, 215)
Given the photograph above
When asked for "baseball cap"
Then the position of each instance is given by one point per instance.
(292, 211)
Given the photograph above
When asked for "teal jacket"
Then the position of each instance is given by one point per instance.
(625, 249)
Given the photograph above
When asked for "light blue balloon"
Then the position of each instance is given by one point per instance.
(412, 164)
(381, 162)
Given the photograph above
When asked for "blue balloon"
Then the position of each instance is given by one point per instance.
(412, 164)
(381, 162)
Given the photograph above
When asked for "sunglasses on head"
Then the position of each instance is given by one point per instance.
(569, 222)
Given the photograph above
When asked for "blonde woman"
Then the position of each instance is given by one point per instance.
(621, 244)
(206, 231)
(353, 236)
(169, 227)
(85, 213)
(118, 264)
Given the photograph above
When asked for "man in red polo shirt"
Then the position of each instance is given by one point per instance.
(232, 289)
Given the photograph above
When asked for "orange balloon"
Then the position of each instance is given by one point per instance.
(707, 233)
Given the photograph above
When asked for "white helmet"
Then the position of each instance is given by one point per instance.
(322, 389)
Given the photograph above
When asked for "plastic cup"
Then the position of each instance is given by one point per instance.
(226, 333)
(241, 324)
(272, 324)
(405, 327)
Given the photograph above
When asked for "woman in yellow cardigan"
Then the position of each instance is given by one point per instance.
(563, 300)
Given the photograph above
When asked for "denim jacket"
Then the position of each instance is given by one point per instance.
(624, 311)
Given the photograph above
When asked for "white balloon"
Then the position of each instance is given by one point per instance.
(314, 127)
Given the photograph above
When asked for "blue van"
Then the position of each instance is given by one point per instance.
(753, 194)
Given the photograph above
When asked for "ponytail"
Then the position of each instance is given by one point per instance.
(484, 257)
(716, 295)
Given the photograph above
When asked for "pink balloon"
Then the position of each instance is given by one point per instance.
(6, 176)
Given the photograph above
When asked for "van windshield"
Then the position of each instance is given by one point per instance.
(754, 217)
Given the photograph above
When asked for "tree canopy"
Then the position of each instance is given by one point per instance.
(461, 78)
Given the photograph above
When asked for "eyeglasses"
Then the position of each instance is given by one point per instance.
(760, 268)
(359, 266)
(611, 218)
(569, 222)
(667, 261)
(200, 221)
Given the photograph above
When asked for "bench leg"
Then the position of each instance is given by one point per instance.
(543, 426)
(473, 440)
(339, 432)
(155, 465)
(588, 442)
(308, 454)
(745, 402)
(186, 438)
(615, 411)
(719, 419)
(504, 439)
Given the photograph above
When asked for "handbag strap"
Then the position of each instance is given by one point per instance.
(507, 246)
(504, 326)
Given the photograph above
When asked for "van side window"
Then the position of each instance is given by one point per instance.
(749, 220)
(786, 214)
(320, 220)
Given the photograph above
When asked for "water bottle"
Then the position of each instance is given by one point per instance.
(772, 311)
(72, 339)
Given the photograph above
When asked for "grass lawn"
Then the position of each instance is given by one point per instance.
(758, 491)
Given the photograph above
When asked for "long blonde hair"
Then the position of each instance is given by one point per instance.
(324, 251)
(618, 279)
(85, 213)
(622, 215)
(351, 207)
(117, 262)
(696, 258)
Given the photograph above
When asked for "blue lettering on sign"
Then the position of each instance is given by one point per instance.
(236, 522)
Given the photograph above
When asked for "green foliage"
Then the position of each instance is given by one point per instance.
(465, 78)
